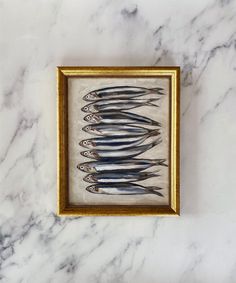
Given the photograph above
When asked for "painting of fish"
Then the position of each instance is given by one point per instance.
(123, 189)
(118, 136)
(128, 152)
(120, 165)
(119, 177)
(118, 104)
(115, 130)
(121, 92)
(115, 143)
(120, 118)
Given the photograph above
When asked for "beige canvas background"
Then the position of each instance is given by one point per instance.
(77, 88)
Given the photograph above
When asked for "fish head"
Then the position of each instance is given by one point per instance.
(90, 178)
(91, 96)
(89, 108)
(87, 129)
(85, 168)
(90, 154)
(92, 118)
(85, 108)
(91, 130)
(87, 143)
(93, 189)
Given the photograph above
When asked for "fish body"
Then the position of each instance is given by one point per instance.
(117, 104)
(118, 117)
(115, 130)
(116, 143)
(123, 189)
(118, 177)
(124, 92)
(119, 154)
(126, 165)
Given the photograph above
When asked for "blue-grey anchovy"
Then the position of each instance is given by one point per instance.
(119, 177)
(123, 189)
(115, 130)
(115, 143)
(120, 165)
(118, 117)
(120, 92)
(117, 104)
(119, 154)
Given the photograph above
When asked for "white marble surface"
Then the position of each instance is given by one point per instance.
(36, 245)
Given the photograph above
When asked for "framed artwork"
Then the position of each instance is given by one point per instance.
(118, 141)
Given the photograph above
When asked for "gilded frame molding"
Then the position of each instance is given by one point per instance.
(63, 205)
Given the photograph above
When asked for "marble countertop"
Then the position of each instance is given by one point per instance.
(38, 246)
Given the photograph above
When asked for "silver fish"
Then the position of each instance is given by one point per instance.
(119, 154)
(120, 92)
(119, 177)
(134, 165)
(115, 143)
(115, 130)
(123, 189)
(118, 117)
(117, 104)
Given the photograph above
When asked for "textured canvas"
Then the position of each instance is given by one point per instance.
(118, 141)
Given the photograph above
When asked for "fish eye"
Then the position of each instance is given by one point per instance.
(85, 108)
(81, 167)
(87, 128)
(85, 142)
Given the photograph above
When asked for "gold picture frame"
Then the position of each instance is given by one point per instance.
(67, 209)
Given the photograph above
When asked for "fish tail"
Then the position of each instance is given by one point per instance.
(155, 132)
(154, 192)
(152, 188)
(155, 123)
(151, 104)
(160, 162)
(152, 174)
(154, 99)
(157, 90)
(156, 142)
